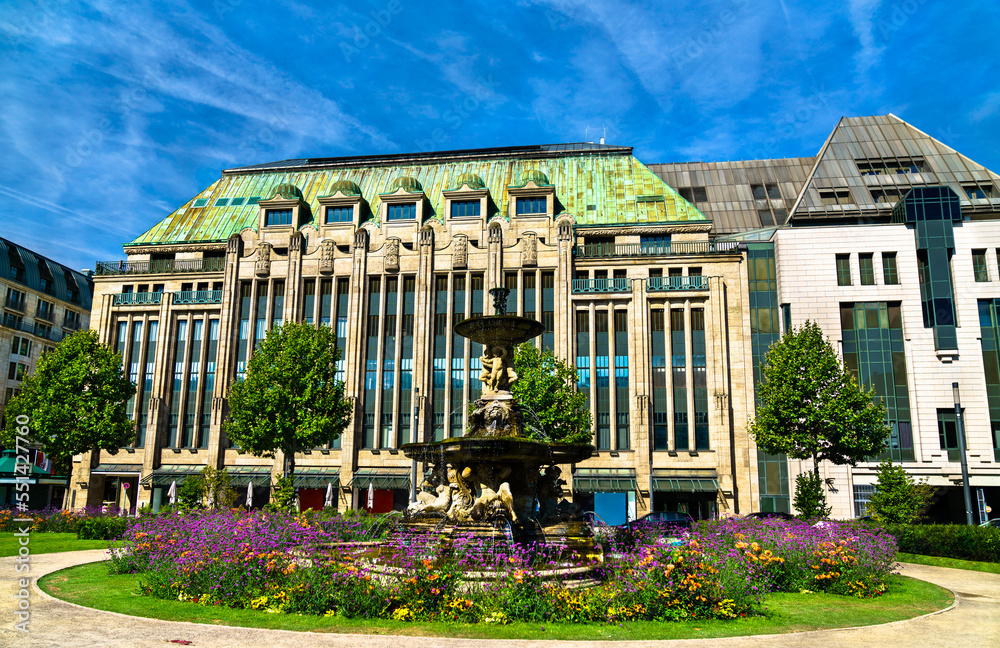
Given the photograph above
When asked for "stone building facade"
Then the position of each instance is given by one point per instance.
(392, 251)
(42, 301)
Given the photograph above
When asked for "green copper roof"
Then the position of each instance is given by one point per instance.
(532, 175)
(345, 187)
(595, 188)
(408, 184)
(285, 190)
(471, 179)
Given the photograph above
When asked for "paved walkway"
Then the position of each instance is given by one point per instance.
(974, 621)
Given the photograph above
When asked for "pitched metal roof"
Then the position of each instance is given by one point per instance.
(597, 184)
(64, 278)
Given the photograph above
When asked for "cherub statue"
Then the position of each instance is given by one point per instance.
(498, 374)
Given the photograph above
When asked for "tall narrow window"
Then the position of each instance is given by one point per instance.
(679, 370)
(866, 265)
(440, 368)
(406, 421)
(476, 349)
(371, 362)
(389, 362)
(510, 283)
(194, 368)
(308, 300)
(700, 379)
(529, 295)
(457, 406)
(243, 343)
(948, 433)
(583, 353)
(260, 331)
(548, 310)
(278, 304)
(621, 380)
(603, 385)
(147, 383)
(843, 269)
(325, 301)
(208, 385)
(979, 267)
(889, 273)
(661, 425)
(180, 343)
(134, 363)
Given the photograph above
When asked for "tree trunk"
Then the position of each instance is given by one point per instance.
(816, 466)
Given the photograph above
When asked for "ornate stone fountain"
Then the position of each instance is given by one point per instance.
(494, 479)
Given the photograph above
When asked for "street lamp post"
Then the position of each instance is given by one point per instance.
(960, 427)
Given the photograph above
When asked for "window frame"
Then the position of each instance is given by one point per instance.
(890, 271)
(843, 265)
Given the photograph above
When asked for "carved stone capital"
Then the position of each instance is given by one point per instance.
(262, 267)
(460, 257)
(530, 255)
(326, 250)
(392, 255)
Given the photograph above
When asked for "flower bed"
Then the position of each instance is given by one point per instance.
(53, 520)
(300, 564)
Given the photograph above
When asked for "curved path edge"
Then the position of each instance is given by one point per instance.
(970, 621)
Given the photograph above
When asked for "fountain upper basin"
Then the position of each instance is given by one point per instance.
(468, 450)
(499, 329)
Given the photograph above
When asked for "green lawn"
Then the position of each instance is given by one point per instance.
(953, 563)
(90, 585)
(40, 543)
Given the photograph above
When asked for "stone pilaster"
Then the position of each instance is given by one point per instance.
(225, 358)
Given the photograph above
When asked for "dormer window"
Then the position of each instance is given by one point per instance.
(340, 214)
(460, 208)
(531, 206)
(401, 211)
(277, 217)
(532, 196)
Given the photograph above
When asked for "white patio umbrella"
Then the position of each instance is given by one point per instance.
(250, 495)
(328, 501)
(172, 492)
(295, 503)
(371, 495)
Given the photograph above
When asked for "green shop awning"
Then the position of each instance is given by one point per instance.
(604, 480)
(685, 481)
(124, 470)
(166, 475)
(243, 475)
(317, 477)
(382, 478)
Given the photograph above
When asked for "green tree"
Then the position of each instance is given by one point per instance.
(898, 499)
(811, 407)
(74, 402)
(290, 399)
(547, 386)
(810, 499)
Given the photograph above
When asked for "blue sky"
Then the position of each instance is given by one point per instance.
(114, 114)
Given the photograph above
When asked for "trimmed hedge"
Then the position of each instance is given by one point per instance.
(948, 541)
(102, 528)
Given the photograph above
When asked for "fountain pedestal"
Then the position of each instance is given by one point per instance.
(493, 475)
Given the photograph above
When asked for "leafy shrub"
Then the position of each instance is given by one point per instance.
(810, 500)
(948, 541)
(102, 528)
(898, 499)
